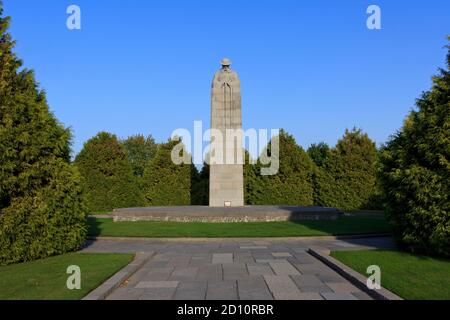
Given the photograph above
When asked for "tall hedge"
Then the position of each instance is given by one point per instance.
(108, 180)
(292, 185)
(200, 185)
(41, 208)
(140, 150)
(415, 172)
(250, 177)
(319, 153)
(347, 179)
(166, 183)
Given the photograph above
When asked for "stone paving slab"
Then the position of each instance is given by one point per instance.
(210, 272)
(253, 288)
(307, 280)
(191, 290)
(234, 271)
(159, 274)
(222, 290)
(253, 247)
(158, 294)
(184, 273)
(342, 287)
(222, 258)
(156, 284)
(256, 269)
(282, 287)
(125, 293)
(283, 267)
(260, 269)
(339, 296)
(281, 254)
(245, 257)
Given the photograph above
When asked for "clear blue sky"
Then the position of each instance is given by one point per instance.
(310, 67)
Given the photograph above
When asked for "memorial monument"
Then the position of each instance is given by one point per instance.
(226, 191)
(226, 182)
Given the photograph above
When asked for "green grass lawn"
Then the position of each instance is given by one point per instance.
(409, 276)
(46, 279)
(363, 223)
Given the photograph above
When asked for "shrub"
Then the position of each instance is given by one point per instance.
(47, 221)
(415, 173)
(347, 179)
(319, 153)
(292, 185)
(165, 183)
(250, 177)
(200, 185)
(41, 208)
(140, 151)
(108, 180)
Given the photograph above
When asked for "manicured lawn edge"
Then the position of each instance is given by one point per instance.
(355, 225)
(45, 279)
(106, 288)
(231, 239)
(412, 276)
(351, 275)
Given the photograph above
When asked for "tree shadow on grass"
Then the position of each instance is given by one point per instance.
(93, 225)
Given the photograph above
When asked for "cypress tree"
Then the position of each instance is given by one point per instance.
(291, 185)
(108, 180)
(347, 179)
(140, 150)
(319, 153)
(200, 185)
(415, 172)
(251, 171)
(166, 183)
(41, 208)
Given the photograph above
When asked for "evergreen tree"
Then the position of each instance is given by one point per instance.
(292, 185)
(347, 179)
(140, 151)
(415, 172)
(108, 180)
(41, 208)
(250, 177)
(200, 186)
(166, 183)
(319, 153)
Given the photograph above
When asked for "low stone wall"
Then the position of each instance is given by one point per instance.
(234, 214)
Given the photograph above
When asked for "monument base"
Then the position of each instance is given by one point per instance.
(224, 214)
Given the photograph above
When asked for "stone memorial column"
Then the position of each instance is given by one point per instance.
(226, 184)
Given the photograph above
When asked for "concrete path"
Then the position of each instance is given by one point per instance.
(231, 269)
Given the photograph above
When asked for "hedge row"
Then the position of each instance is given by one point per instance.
(108, 179)
(342, 177)
(346, 177)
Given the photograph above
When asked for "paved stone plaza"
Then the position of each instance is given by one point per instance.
(230, 269)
